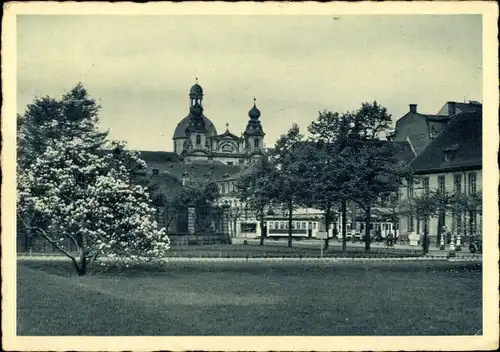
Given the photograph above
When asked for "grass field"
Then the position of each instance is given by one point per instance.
(411, 298)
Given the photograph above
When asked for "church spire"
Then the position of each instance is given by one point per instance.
(196, 94)
(254, 127)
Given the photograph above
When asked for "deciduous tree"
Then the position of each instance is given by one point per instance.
(76, 187)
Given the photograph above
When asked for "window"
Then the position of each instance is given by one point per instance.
(198, 139)
(276, 226)
(304, 225)
(249, 227)
(282, 225)
(425, 185)
(293, 224)
(230, 163)
(457, 181)
(410, 223)
(441, 184)
(223, 188)
(472, 183)
(409, 189)
(270, 226)
(314, 225)
(156, 172)
(256, 142)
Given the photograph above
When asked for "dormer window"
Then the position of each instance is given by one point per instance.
(447, 155)
(432, 133)
(256, 143)
(198, 139)
(156, 172)
(448, 152)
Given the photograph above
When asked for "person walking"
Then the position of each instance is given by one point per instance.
(390, 239)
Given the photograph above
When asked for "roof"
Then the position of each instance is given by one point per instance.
(200, 171)
(471, 106)
(229, 135)
(159, 156)
(462, 139)
(180, 130)
(254, 113)
(196, 90)
(428, 117)
(404, 151)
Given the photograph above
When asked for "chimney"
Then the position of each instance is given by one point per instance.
(413, 108)
(451, 108)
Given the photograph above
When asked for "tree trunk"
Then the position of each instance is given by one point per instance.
(327, 223)
(262, 234)
(82, 268)
(426, 237)
(344, 226)
(290, 216)
(367, 228)
(26, 240)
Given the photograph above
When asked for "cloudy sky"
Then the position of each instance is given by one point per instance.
(140, 68)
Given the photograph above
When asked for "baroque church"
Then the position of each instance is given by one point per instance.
(195, 137)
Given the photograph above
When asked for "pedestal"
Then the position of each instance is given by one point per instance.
(452, 246)
(458, 247)
(413, 237)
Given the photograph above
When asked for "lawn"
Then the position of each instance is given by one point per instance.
(341, 299)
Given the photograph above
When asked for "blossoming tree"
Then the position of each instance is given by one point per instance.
(79, 188)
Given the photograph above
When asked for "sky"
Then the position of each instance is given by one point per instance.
(140, 67)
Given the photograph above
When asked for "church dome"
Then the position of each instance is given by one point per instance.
(180, 130)
(254, 113)
(196, 90)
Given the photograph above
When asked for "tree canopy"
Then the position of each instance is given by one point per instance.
(76, 189)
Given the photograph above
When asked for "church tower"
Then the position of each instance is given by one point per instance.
(194, 132)
(254, 134)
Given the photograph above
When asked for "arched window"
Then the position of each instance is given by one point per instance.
(198, 139)
(256, 142)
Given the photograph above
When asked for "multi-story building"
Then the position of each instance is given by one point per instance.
(450, 163)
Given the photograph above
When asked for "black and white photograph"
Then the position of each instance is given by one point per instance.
(250, 176)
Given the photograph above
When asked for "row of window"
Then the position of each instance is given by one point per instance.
(295, 225)
(457, 184)
(227, 187)
(460, 222)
